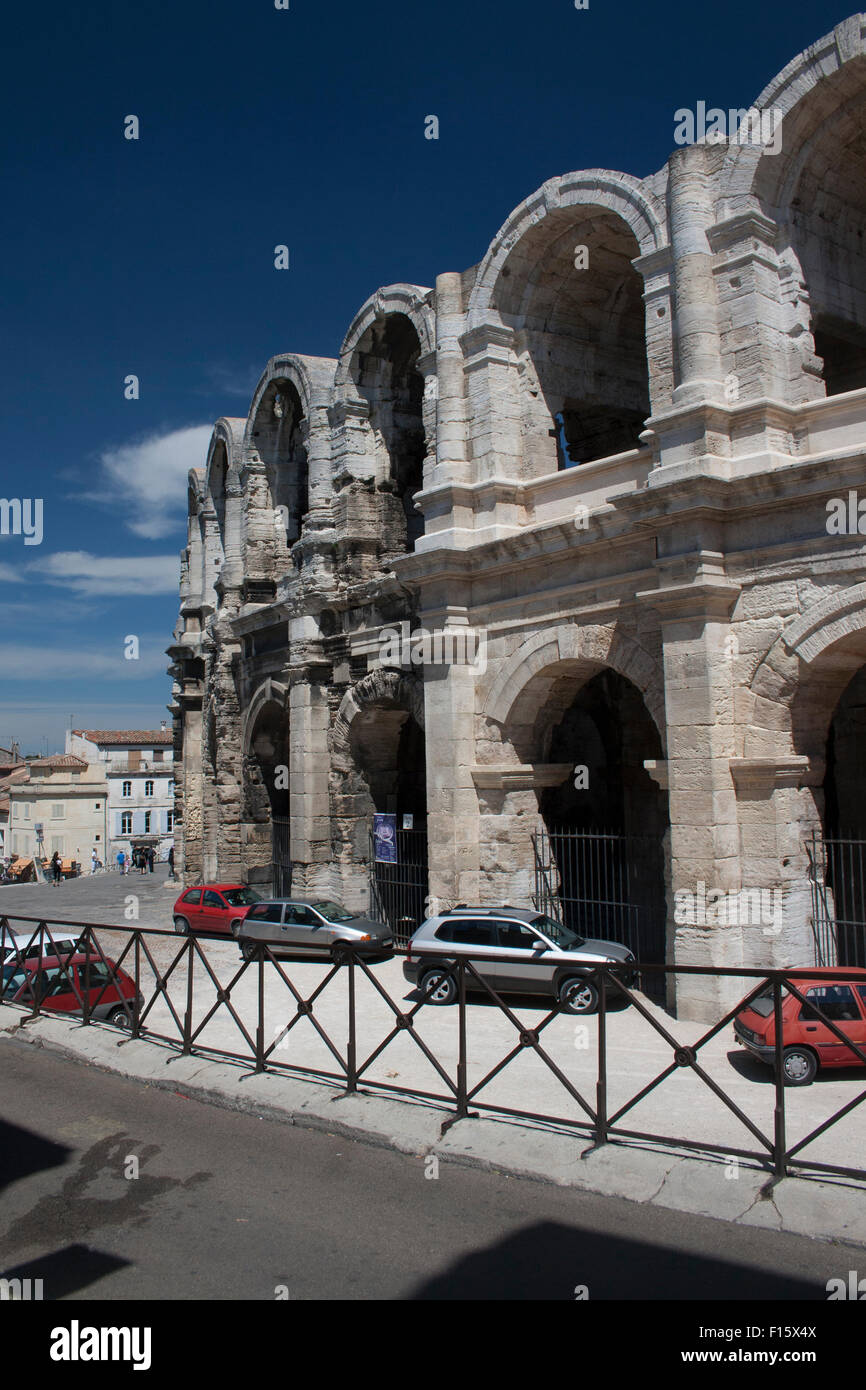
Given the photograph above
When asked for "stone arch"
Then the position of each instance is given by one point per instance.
(382, 686)
(524, 682)
(270, 692)
(620, 194)
(796, 687)
(412, 301)
(224, 458)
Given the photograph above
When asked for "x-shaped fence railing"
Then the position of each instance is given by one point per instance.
(33, 959)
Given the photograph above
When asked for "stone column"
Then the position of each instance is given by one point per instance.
(699, 710)
(309, 765)
(699, 372)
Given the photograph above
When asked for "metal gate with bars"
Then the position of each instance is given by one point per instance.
(838, 874)
(281, 855)
(604, 884)
(398, 892)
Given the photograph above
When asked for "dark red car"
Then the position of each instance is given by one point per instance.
(213, 907)
(839, 994)
(62, 983)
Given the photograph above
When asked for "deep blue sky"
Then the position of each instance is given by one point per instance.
(261, 126)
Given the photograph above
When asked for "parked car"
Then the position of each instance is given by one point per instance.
(807, 1043)
(551, 959)
(216, 907)
(53, 980)
(311, 926)
(31, 944)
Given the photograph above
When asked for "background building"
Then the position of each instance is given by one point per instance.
(138, 767)
(614, 450)
(67, 798)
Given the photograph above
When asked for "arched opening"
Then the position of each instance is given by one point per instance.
(601, 843)
(380, 771)
(280, 438)
(844, 847)
(575, 301)
(824, 217)
(387, 377)
(266, 797)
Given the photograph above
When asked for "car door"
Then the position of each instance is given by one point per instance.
(59, 991)
(216, 915)
(535, 969)
(839, 1003)
(190, 908)
(305, 929)
(264, 922)
(474, 937)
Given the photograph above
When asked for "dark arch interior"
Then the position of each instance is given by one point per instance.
(268, 753)
(604, 829)
(581, 333)
(278, 436)
(387, 376)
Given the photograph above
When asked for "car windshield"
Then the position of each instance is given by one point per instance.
(240, 897)
(13, 979)
(557, 933)
(334, 912)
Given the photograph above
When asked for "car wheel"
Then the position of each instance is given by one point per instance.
(119, 1018)
(799, 1066)
(340, 953)
(181, 926)
(438, 986)
(235, 928)
(248, 949)
(578, 996)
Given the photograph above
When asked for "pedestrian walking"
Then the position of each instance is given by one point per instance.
(171, 862)
(120, 861)
(56, 868)
(93, 862)
(151, 855)
(142, 862)
(126, 862)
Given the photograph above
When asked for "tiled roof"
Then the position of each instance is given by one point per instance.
(58, 760)
(152, 736)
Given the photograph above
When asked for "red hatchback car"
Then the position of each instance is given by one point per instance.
(839, 994)
(54, 980)
(213, 907)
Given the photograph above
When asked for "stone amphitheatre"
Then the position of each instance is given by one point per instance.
(609, 450)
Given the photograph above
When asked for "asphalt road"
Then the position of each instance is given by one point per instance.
(228, 1205)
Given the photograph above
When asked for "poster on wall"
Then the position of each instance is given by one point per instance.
(385, 838)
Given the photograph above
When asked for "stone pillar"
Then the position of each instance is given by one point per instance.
(309, 764)
(699, 710)
(493, 404)
(452, 453)
(452, 803)
(699, 370)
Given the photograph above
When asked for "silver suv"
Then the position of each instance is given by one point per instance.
(515, 952)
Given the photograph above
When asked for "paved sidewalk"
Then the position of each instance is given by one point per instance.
(662, 1175)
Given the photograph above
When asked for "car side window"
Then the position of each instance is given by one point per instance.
(266, 912)
(302, 916)
(212, 899)
(53, 983)
(836, 1002)
(193, 896)
(474, 933)
(515, 937)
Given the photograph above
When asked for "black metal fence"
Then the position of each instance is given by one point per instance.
(838, 874)
(604, 884)
(600, 1121)
(282, 857)
(398, 891)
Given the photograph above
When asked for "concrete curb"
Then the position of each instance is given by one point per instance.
(830, 1209)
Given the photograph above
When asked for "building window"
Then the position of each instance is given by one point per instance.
(127, 789)
(148, 789)
(26, 810)
(97, 805)
(147, 822)
(169, 820)
(56, 845)
(126, 823)
(58, 811)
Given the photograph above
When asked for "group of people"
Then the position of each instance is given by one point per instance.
(141, 859)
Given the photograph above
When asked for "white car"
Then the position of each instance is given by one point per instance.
(17, 945)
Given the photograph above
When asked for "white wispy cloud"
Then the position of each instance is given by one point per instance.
(146, 481)
(111, 575)
(9, 574)
(20, 661)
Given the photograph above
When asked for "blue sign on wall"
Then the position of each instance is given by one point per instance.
(385, 838)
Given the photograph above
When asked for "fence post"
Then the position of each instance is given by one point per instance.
(136, 1011)
(187, 1018)
(462, 1102)
(351, 1047)
(780, 1152)
(260, 1025)
(601, 1083)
